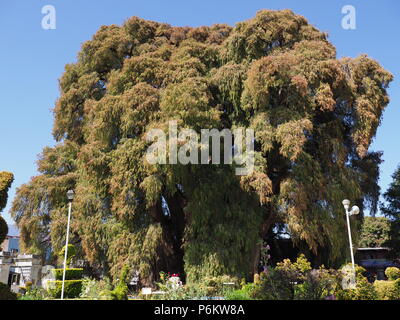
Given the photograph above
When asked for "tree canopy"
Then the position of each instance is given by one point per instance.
(391, 209)
(375, 232)
(6, 179)
(314, 118)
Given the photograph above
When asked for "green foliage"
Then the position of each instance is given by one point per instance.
(294, 271)
(70, 273)
(217, 286)
(35, 294)
(6, 293)
(6, 179)
(207, 287)
(318, 285)
(96, 289)
(387, 290)
(314, 117)
(72, 288)
(391, 209)
(275, 285)
(375, 232)
(73, 283)
(245, 293)
(192, 291)
(3, 229)
(121, 291)
(392, 273)
(71, 253)
(296, 281)
(363, 291)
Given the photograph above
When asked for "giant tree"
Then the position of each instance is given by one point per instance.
(314, 117)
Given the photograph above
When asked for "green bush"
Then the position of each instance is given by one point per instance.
(72, 288)
(363, 291)
(318, 285)
(205, 287)
(70, 273)
(70, 254)
(6, 293)
(191, 291)
(121, 290)
(280, 283)
(217, 286)
(392, 273)
(35, 294)
(388, 290)
(241, 294)
(274, 285)
(96, 290)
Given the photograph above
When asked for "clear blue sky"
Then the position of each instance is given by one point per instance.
(33, 59)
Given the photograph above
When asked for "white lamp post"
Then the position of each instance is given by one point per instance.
(354, 210)
(70, 196)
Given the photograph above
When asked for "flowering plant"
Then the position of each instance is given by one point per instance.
(264, 255)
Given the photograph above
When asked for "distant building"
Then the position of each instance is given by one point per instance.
(11, 243)
(375, 261)
(18, 269)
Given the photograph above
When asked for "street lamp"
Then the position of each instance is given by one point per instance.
(70, 196)
(354, 210)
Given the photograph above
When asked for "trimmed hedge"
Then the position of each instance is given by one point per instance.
(388, 290)
(72, 288)
(392, 273)
(70, 273)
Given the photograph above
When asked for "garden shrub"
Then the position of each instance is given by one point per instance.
(202, 289)
(363, 291)
(6, 293)
(392, 273)
(72, 288)
(70, 254)
(318, 285)
(242, 294)
(295, 271)
(70, 273)
(279, 283)
(96, 289)
(188, 292)
(120, 292)
(191, 291)
(387, 290)
(35, 294)
(216, 286)
(274, 285)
